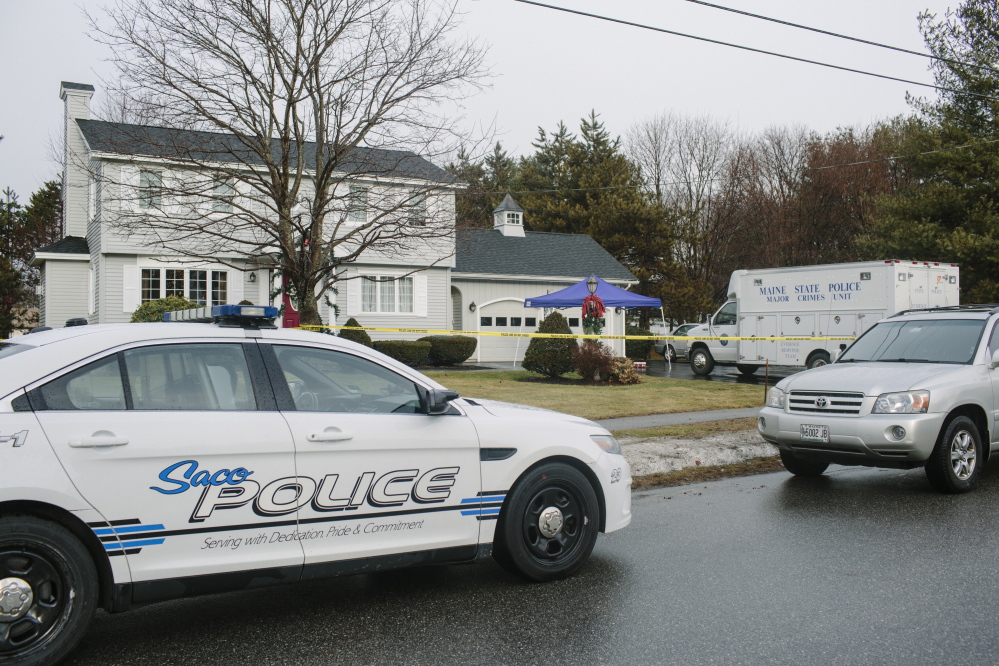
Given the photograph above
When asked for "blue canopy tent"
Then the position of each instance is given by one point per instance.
(572, 297)
(613, 297)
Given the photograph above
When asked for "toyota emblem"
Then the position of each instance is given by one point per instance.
(821, 402)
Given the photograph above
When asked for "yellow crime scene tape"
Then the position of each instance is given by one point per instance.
(499, 334)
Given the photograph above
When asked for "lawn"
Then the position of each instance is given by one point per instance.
(654, 395)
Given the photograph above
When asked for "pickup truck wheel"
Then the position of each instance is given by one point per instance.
(818, 359)
(800, 467)
(747, 369)
(48, 591)
(954, 465)
(701, 362)
(549, 524)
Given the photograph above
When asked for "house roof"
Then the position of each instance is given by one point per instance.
(67, 245)
(508, 204)
(167, 143)
(488, 251)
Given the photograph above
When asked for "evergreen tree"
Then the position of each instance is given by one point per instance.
(950, 212)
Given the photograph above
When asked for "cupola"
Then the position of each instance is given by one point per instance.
(509, 218)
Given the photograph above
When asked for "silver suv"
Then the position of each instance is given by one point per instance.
(919, 389)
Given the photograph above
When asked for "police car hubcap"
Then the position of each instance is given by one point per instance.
(550, 522)
(16, 597)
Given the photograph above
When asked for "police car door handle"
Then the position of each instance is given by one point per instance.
(329, 435)
(91, 442)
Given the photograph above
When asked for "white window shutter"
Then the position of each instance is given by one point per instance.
(420, 294)
(130, 289)
(236, 286)
(354, 297)
(130, 180)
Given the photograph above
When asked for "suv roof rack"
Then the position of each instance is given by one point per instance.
(991, 308)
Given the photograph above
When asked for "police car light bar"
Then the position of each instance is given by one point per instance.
(226, 315)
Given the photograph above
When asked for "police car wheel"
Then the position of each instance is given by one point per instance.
(550, 524)
(48, 591)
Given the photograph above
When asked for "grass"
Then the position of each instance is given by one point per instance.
(690, 429)
(689, 475)
(655, 395)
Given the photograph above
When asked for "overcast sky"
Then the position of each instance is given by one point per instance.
(549, 66)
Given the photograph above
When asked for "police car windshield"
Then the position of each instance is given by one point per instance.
(918, 341)
(9, 349)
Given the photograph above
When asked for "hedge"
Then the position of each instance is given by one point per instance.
(449, 349)
(551, 357)
(154, 310)
(410, 352)
(637, 350)
(361, 337)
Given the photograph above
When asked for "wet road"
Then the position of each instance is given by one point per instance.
(681, 370)
(856, 567)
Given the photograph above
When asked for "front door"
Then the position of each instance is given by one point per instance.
(385, 478)
(172, 443)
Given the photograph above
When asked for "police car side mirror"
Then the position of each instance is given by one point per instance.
(435, 401)
(995, 359)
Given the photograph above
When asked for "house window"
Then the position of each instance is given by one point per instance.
(386, 293)
(174, 282)
(530, 321)
(150, 189)
(515, 321)
(418, 210)
(150, 284)
(160, 283)
(223, 193)
(357, 201)
(501, 321)
(197, 287)
(573, 322)
(513, 218)
(219, 283)
(485, 321)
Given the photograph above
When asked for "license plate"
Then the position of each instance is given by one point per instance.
(815, 433)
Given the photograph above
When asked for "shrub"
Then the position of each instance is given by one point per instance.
(449, 349)
(551, 357)
(410, 352)
(637, 350)
(361, 337)
(624, 372)
(592, 360)
(154, 310)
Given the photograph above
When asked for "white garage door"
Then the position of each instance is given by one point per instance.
(512, 317)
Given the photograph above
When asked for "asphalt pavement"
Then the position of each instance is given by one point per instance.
(856, 567)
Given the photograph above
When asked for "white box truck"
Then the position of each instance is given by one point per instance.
(834, 300)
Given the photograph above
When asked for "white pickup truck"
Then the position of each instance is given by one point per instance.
(833, 300)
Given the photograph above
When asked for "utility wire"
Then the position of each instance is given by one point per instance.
(711, 180)
(836, 34)
(755, 50)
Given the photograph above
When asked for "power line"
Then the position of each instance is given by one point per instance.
(841, 36)
(712, 180)
(755, 50)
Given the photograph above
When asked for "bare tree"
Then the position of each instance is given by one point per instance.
(272, 109)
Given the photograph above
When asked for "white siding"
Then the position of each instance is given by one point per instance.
(65, 291)
(76, 182)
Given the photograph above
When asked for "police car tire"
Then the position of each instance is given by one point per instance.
(519, 543)
(55, 562)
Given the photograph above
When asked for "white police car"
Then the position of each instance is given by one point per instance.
(143, 462)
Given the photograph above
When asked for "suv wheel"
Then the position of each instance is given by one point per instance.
(48, 591)
(800, 467)
(954, 465)
(701, 362)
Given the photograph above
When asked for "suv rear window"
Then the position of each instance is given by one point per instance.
(918, 341)
(11, 348)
